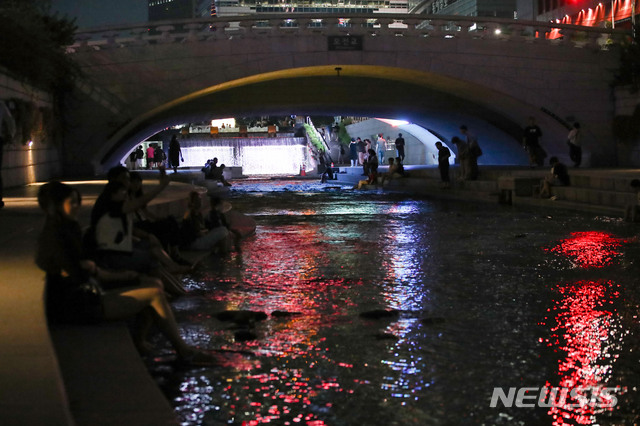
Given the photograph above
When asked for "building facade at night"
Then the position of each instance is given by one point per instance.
(184, 9)
(591, 13)
(493, 8)
(160, 10)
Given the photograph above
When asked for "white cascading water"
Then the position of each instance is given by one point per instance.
(256, 156)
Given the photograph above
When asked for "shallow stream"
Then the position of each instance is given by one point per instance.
(484, 297)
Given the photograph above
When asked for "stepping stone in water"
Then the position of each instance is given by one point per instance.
(380, 313)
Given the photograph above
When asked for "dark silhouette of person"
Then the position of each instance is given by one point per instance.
(175, 153)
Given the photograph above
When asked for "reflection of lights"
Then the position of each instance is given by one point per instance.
(498, 31)
(585, 331)
(589, 249)
(403, 292)
(591, 338)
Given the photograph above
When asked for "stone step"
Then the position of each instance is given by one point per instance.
(594, 196)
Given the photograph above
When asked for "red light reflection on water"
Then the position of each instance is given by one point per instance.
(586, 331)
(285, 272)
(585, 328)
(591, 249)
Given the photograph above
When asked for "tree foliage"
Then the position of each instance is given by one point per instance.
(317, 143)
(33, 44)
(343, 134)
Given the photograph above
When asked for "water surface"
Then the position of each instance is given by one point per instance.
(488, 297)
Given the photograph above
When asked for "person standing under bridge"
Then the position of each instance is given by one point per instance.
(573, 140)
(382, 147)
(150, 154)
(175, 153)
(531, 142)
(443, 163)
(400, 146)
(473, 153)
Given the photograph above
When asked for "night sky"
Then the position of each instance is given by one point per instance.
(92, 13)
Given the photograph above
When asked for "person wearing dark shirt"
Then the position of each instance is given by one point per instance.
(559, 176)
(531, 141)
(175, 153)
(443, 163)
(196, 235)
(400, 146)
(73, 283)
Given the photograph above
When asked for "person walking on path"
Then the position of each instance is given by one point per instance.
(400, 146)
(474, 152)
(575, 148)
(175, 153)
(7, 132)
(531, 141)
(443, 163)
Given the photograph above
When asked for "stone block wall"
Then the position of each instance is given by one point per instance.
(24, 164)
(625, 106)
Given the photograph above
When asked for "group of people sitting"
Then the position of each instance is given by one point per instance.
(212, 171)
(370, 168)
(126, 263)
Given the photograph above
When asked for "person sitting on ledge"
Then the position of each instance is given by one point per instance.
(195, 234)
(210, 168)
(559, 176)
(392, 172)
(400, 167)
(371, 164)
(73, 291)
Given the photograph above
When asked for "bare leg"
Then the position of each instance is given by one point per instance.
(126, 302)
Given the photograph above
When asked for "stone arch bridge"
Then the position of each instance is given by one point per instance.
(436, 71)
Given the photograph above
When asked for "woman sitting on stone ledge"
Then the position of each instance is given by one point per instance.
(73, 292)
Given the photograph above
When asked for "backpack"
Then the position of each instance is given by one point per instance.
(139, 154)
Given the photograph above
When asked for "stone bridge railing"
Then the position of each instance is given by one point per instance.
(364, 25)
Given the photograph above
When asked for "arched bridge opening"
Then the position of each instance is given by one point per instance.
(435, 102)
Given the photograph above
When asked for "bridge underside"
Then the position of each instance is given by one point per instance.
(434, 102)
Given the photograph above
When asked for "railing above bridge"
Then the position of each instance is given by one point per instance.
(363, 25)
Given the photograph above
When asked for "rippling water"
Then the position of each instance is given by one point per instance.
(488, 297)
